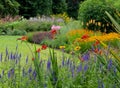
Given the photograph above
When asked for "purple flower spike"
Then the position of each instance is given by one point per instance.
(109, 64)
(86, 56)
(48, 64)
(86, 67)
(34, 74)
(8, 74)
(79, 68)
(30, 70)
(63, 62)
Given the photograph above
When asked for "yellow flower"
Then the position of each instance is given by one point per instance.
(77, 48)
(62, 47)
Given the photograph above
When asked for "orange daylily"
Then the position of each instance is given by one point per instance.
(23, 38)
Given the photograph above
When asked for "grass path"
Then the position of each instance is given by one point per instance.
(11, 42)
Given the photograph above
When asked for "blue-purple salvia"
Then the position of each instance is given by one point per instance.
(30, 70)
(109, 64)
(34, 74)
(85, 67)
(79, 68)
(9, 74)
(11, 55)
(86, 56)
(48, 64)
(63, 62)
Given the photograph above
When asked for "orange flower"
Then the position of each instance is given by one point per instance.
(23, 38)
(44, 47)
(97, 51)
(85, 36)
(33, 59)
(96, 43)
(38, 50)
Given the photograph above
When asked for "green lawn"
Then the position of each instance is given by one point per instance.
(11, 42)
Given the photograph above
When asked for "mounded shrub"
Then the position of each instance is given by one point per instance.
(92, 14)
(38, 37)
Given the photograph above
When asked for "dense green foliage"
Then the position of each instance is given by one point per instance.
(59, 6)
(9, 7)
(92, 14)
(73, 7)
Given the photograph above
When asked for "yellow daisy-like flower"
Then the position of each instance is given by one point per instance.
(77, 48)
(62, 47)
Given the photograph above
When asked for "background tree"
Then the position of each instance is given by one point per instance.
(59, 6)
(9, 7)
(73, 7)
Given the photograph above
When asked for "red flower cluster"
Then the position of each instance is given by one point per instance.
(85, 36)
(96, 50)
(53, 32)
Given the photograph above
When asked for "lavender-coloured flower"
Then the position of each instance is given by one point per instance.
(86, 56)
(79, 68)
(110, 64)
(30, 70)
(11, 55)
(12, 71)
(73, 70)
(9, 74)
(34, 74)
(68, 62)
(63, 62)
(85, 67)
(48, 64)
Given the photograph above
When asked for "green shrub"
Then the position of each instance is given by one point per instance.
(19, 32)
(92, 14)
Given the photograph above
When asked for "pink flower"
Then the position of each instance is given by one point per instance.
(55, 27)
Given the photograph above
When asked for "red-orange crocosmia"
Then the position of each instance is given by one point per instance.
(23, 38)
(33, 59)
(38, 50)
(85, 36)
(97, 51)
(44, 47)
(96, 43)
(53, 31)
